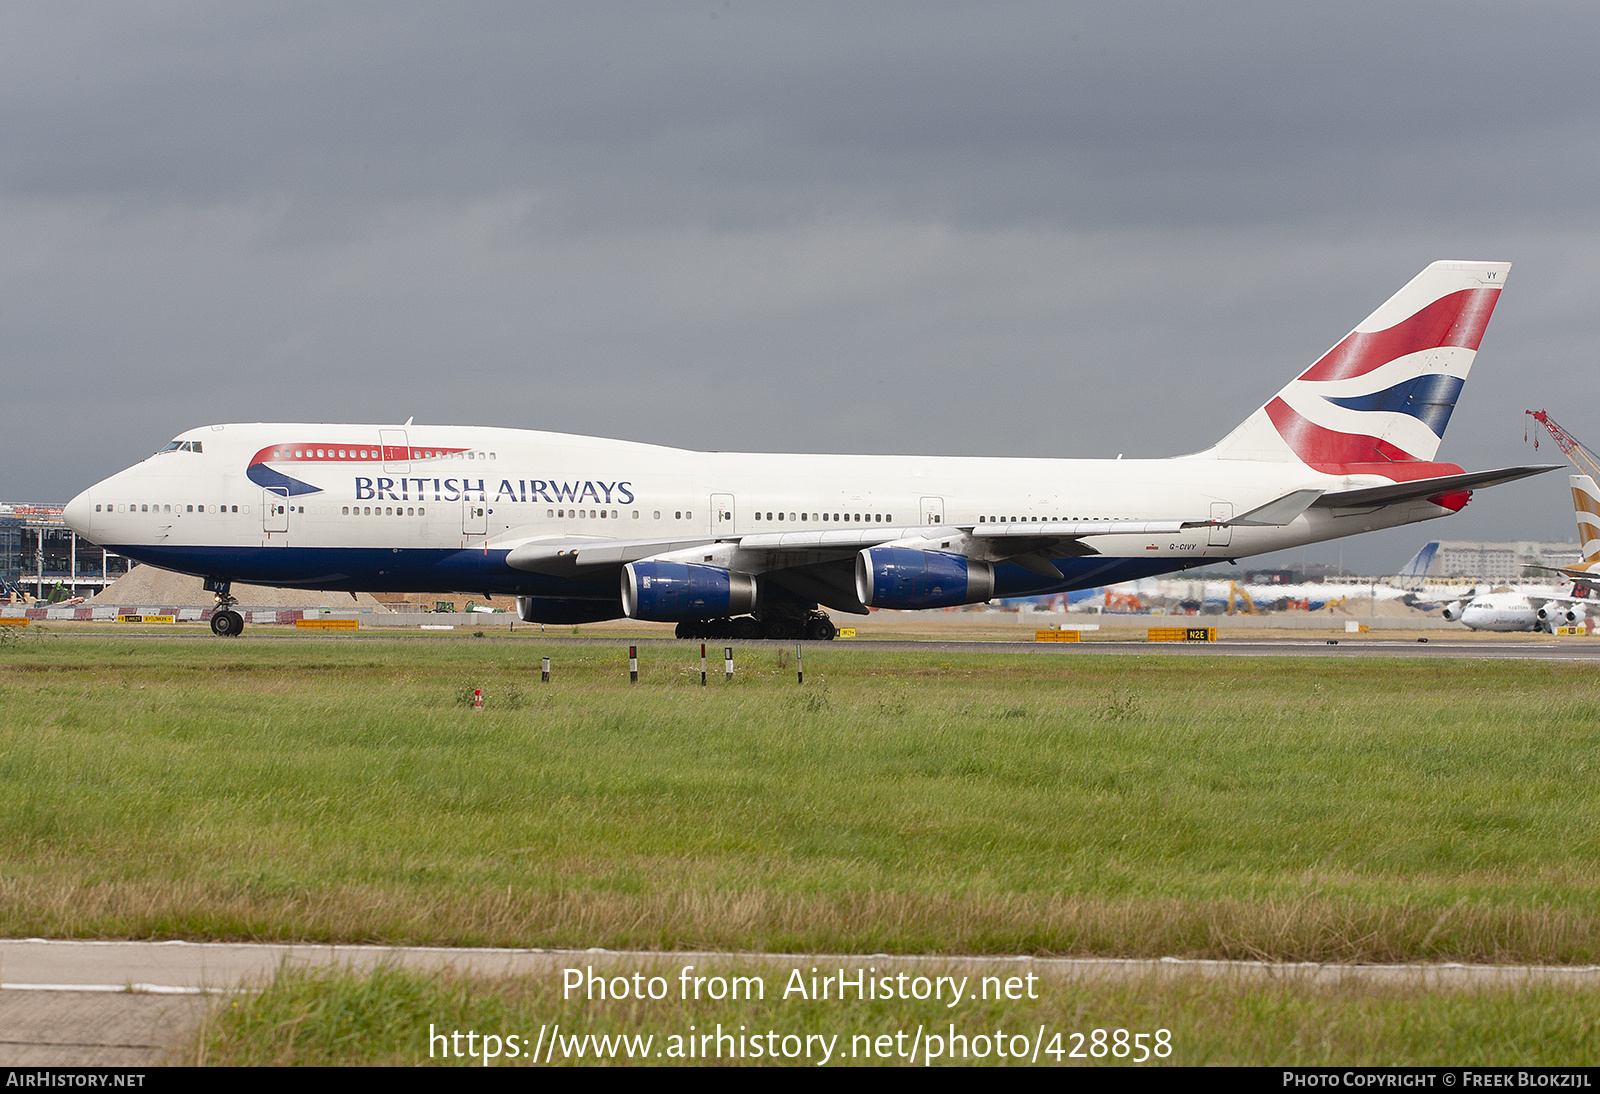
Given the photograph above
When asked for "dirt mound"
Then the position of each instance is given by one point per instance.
(1362, 608)
(150, 586)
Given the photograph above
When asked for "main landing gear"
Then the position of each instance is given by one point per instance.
(815, 626)
(225, 622)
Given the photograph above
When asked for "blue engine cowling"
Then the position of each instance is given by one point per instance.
(900, 577)
(671, 592)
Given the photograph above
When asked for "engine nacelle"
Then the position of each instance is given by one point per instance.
(1560, 613)
(1452, 612)
(1577, 613)
(671, 592)
(900, 577)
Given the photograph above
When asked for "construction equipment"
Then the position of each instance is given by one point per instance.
(1575, 450)
(1243, 597)
(1123, 602)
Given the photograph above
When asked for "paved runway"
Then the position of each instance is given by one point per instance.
(1450, 646)
(132, 1003)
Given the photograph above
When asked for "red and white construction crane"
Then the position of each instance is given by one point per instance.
(1575, 450)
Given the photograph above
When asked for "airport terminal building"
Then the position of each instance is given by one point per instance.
(38, 553)
(1500, 562)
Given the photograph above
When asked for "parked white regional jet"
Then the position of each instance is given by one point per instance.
(748, 544)
(1543, 608)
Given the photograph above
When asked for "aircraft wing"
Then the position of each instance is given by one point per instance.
(1390, 493)
(563, 556)
(773, 550)
(1584, 582)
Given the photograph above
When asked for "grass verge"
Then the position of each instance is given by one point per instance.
(398, 1017)
(1360, 810)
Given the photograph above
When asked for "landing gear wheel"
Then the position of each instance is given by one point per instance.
(227, 623)
(782, 629)
(821, 629)
(746, 628)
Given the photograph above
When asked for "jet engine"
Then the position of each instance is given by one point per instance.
(671, 592)
(1560, 613)
(1452, 612)
(901, 577)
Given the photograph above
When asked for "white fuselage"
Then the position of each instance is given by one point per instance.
(420, 508)
(1508, 611)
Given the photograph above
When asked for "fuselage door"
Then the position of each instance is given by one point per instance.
(1221, 534)
(722, 515)
(474, 515)
(275, 509)
(396, 452)
(932, 511)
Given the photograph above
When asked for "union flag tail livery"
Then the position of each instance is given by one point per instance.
(1383, 395)
(729, 544)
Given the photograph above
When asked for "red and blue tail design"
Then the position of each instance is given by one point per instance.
(1378, 402)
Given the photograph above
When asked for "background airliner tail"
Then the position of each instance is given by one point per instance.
(1586, 505)
(1414, 574)
(1385, 392)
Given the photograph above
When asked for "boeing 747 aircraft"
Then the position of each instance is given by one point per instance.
(752, 544)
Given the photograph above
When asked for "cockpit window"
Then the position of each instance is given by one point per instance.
(179, 446)
(171, 446)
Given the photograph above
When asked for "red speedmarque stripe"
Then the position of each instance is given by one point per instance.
(1335, 453)
(1455, 320)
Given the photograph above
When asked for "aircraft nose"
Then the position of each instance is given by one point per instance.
(77, 514)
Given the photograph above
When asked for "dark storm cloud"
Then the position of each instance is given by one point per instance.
(1086, 115)
(1015, 228)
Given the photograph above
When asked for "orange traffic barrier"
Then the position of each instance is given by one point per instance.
(1182, 634)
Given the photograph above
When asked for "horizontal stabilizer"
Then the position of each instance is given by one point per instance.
(1391, 493)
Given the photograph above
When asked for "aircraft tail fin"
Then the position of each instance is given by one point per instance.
(1413, 575)
(1586, 506)
(1384, 394)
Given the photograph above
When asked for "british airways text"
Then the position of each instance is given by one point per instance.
(378, 488)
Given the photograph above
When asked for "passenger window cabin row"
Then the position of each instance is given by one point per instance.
(830, 518)
(1027, 520)
(372, 453)
(142, 507)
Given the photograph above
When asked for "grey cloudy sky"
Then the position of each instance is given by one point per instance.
(1029, 229)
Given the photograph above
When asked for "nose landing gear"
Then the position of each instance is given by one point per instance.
(225, 622)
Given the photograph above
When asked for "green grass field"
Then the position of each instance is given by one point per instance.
(317, 789)
(386, 1018)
